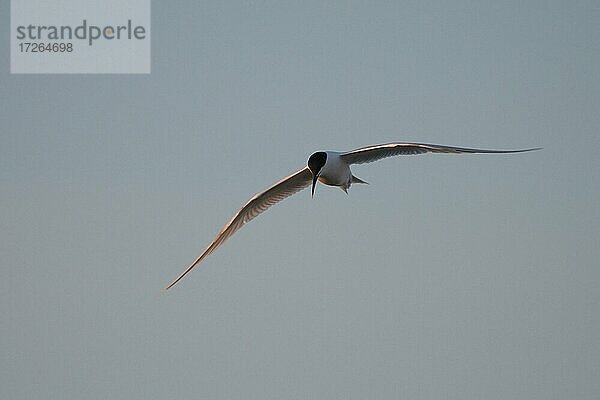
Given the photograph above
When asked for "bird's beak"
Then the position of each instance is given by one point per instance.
(314, 183)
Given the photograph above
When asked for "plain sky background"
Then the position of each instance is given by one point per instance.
(449, 276)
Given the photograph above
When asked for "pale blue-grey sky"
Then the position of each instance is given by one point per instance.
(459, 277)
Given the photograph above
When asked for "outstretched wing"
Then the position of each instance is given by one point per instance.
(255, 206)
(374, 153)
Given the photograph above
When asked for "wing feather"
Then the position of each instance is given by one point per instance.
(374, 153)
(254, 207)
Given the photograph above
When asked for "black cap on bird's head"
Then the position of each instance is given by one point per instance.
(315, 164)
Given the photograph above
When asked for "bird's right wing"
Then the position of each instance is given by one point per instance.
(377, 152)
(255, 206)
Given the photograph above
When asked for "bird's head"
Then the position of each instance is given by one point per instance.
(315, 163)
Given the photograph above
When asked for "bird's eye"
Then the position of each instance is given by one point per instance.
(317, 160)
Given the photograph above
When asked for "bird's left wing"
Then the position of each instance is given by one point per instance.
(255, 206)
(377, 152)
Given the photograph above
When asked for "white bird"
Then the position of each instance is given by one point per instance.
(329, 167)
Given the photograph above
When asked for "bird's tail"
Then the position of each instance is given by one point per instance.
(358, 180)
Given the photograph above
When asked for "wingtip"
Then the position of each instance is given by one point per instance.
(517, 151)
(170, 285)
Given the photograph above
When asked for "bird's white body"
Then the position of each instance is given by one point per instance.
(329, 167)
(335, 172)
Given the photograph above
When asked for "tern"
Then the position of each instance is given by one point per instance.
(331, 168)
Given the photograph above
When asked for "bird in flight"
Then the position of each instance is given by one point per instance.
(331, 168)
